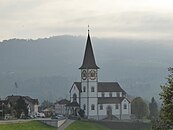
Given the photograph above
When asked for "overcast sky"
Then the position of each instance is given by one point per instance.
(146, 19)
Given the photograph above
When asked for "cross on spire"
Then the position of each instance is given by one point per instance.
(88, 28)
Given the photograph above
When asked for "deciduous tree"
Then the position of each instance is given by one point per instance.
(139, 108)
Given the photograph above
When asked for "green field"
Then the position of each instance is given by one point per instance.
(83, 125)
(32, 125)
(80, 125)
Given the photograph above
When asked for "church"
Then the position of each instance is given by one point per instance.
(99, 100)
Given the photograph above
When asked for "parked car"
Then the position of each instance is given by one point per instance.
(40, 115)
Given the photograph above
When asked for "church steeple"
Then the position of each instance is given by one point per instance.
(89, 60)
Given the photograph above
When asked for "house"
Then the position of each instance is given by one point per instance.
(32, 103)
(61, 107)
(99, 100)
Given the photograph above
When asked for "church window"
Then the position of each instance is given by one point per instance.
(74, 97)
(118, 94)
(116, 106)
(84, 107)
(101, 107)
(84, 89)
(125, 106)
(110, 94)
(92, 107)
(103, 94)
(92, 89)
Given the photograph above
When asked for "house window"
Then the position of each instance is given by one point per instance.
(101, 107)
(74, 97)
(84, 89)
(118, 94)
(92, 89)
(103, 94)
(110, 94)
(92, 107)
(116, 106)
(125, 106)
(84, 107)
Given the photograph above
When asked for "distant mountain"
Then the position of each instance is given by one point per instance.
(46, 68)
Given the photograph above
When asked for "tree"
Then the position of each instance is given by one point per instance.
(167, 98)
(153, 109)
(139, 108)
(46, 104)
(81, 113)
(21, 107)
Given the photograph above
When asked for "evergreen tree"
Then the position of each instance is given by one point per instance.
(153, 109)
(167, 98)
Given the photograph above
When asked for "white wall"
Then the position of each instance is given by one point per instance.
(114, 94)
(74, 90)
(125, 111)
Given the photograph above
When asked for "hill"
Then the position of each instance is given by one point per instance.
(46, 68)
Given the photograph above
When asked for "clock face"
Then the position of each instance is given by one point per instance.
(92, 74)
(84, 75)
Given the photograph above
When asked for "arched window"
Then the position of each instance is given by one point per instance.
(74, 97)
(92, 89)
(125, 106)
(84, 89)
(116, 106)
(110, 94)
(101, 107)
(103, 94)
(84, 107)
(92, 107)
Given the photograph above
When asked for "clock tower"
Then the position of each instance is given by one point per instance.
(89, 82)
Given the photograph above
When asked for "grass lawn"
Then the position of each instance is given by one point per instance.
(32, 125)
(81, 125)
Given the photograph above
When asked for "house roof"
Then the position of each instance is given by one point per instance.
(63, 101)
(110, 100)
(103, 87)
(14, 98)
(89, 60)
(5, 102)
(73, 104)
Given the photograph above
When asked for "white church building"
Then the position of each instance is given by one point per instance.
(99, 100)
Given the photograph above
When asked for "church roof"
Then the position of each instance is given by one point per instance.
(109, 87)
(110, 100)
(89, 60)
(78, 85)
(104, 87)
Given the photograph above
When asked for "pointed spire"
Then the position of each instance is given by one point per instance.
(89, 60)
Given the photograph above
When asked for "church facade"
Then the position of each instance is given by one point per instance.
(99, 100)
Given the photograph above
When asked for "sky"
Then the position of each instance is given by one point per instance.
(138, 19)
